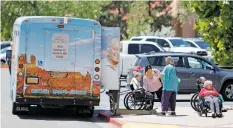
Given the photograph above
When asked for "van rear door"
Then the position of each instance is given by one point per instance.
(59, 51)
(51, 63)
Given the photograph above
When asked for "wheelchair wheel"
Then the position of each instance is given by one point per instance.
(134, 104)
(200, 113)
(125, 100)
(194, 102)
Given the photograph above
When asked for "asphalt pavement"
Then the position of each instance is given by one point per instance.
(59, 118)
(48, 118)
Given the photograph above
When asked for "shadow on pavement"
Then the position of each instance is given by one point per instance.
(59, 115)
(174, 116)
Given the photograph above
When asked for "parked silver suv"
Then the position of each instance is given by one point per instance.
(189, 68)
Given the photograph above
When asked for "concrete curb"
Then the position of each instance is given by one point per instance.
(121, 124)
(111, 120)
(4, 66)
(118, 122)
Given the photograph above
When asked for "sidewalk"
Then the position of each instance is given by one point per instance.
(186, 118)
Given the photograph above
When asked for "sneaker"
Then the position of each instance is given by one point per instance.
(219, 115)
(213, 115)
(224, 110)
(172, 114)
(162, 114)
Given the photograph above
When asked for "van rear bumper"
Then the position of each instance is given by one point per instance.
(47, 101)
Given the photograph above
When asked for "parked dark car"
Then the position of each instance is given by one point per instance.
(189, 68)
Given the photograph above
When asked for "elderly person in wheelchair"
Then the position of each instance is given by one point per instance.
(210, 99)
(139, 93)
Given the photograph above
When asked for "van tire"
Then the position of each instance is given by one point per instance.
(3, 62)
(223, 91)
(14, 111)
(91, 112)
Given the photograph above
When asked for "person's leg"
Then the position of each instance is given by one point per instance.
(216, 104)
(159, 94)
(153, 99)
(172, 101)
(165, 100)
(148, 95)
(211, 103)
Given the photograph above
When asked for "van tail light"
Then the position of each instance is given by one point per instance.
(20, 66)
(137, 68)
(97, 69)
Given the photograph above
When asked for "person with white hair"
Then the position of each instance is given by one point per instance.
(113, 53)
(110, 61)
(211, 95)
(135, 82)
(170, 87)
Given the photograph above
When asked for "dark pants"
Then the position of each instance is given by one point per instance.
(158, 93)
(168, 100)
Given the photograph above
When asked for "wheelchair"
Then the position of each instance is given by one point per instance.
(204, 107)
(199, 104)
(138, 99)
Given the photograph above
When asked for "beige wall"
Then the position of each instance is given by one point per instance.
(186, 30)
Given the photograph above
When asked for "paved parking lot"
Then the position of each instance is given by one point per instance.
(60, 118)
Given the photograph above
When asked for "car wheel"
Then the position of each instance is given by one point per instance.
(227, 91)
(2, 62)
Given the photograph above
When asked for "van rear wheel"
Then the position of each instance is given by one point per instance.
(3, 62)
(14, 111)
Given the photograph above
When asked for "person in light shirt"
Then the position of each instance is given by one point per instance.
(110, 64)
(113, 53)
(151, 82)
(135, 84)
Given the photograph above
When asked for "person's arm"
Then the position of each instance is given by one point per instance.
(216, 92)
(145, 83)
(202, 92)
(157, 77)
(166, 74)
(156, 71)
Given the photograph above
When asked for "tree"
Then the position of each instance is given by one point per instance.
(11, 10)
(214, 23)
(148, 18)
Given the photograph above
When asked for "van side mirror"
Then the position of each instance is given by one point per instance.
(8, 54)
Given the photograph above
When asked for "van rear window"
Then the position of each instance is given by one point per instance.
(140, 62)
(156, 61)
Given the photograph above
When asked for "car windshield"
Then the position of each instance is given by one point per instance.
(202, 44)
(179, 43)
(4, 50)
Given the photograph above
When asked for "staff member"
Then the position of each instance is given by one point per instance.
(151, 82)
(170, 87)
